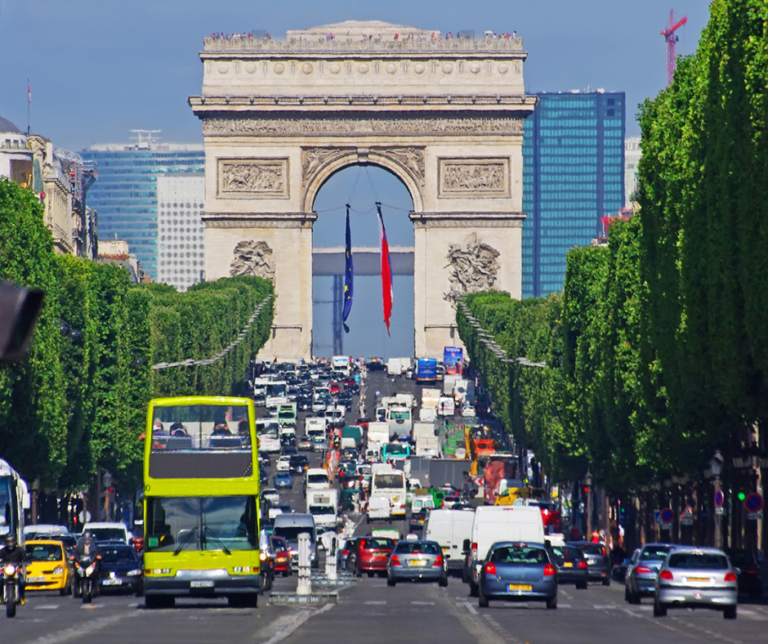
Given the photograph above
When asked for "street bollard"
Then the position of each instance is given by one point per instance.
(330, 561)
(304, 586)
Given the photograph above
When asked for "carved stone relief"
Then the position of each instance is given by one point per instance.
(312, 159)
(253, 178)
(410, 158)
(253, 258)
(473, 266)
(486, 177)
(359, 126)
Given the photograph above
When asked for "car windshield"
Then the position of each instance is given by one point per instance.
(654, 553)
(108, 534)
(118, 555)
(322, 509)
(399, 415)
(519, 555)
(388, 481)
(44, 552)
(417, 547)
(291, 533)
(698, 561)
(317, 478)
(201, 523)
(397, 449)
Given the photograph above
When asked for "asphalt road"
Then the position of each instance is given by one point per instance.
(370, 612)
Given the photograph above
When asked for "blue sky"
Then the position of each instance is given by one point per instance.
(99, 68)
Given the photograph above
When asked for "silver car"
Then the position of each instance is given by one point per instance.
(696, 578)
(416, 560)
(641, 576)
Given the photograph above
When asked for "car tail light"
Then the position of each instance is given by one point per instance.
(394, 561)
(730, 576)
(666, 575)
(582, 564)
(753, 571)
(549, 570)
(490, 568)
(474, 551)
(438, 561)
(345, 553)
(643, 570)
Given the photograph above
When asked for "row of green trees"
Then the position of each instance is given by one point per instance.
(78, 402)
(657, 350)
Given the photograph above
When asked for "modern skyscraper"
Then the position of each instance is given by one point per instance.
(573, 175)
(181, 254)
(126, 193)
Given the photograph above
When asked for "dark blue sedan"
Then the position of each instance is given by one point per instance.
(283, 480)
(121, 568)
(518, 572)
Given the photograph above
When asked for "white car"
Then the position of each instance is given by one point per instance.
(270, 495)
(468, 411)
(284, 464)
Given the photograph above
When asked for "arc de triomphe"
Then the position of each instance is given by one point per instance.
(444, 115)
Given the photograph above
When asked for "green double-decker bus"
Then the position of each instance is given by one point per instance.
(201, 501)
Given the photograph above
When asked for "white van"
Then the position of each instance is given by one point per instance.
(394, 368)
(316, 478)
(109, 531)
(450, 528)
(495, 523)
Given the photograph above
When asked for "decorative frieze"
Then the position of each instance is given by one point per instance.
(253, 178)
(486, 177)
(473, 266)
(411, 159)
(346, 126)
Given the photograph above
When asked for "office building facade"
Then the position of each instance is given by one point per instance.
(573, 176)
(632, 154)
(126, 193)
(181, 252)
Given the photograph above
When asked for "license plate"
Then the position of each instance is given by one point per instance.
(201, 584)
(446, 549)
(417, 562)
(567, 564)
(698, 579)
(520, 587)
(34, 580)
(111, 582)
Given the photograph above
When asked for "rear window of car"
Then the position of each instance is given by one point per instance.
(567, 553)
(698, 561)
(741, 558)
(108, 534)
(377, 544)
(655, 553)
(519, 555)
(417, 547)
(593, 550)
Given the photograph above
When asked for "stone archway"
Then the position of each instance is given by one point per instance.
(445, 116)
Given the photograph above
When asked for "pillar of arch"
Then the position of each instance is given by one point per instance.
(445, 116)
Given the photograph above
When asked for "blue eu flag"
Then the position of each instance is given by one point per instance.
(349, 275)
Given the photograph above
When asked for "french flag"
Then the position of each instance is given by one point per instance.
(386, 270)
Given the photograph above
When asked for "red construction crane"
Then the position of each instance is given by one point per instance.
(671, 37)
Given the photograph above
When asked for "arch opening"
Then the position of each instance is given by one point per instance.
(361, 186)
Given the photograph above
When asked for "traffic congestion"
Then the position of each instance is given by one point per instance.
(407, 490)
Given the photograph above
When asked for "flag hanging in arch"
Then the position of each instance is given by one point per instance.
(386, 270)
(349, 275)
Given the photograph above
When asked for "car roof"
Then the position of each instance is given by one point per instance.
(43, 542)
(692, 549)
(506, 544)
(103, 524)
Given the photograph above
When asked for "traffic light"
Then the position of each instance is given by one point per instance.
(19, 310)
(741, 496)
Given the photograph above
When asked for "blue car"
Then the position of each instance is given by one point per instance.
(283, 480)
(518, 572)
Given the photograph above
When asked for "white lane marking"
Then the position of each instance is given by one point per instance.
(468, 606)
(605, 606)
(564, 606)
(78, 632)
(291, 628)
(47, 607)
(418, 603)
(376, 603)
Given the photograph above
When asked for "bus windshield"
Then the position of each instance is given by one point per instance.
(188, 523)
(200, 427)
(389, 481)
(397, 449)
(400, 415)
(7, 519)
(277, 390)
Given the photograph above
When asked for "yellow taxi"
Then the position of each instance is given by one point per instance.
(48, 566)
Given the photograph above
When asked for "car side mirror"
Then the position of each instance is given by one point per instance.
(446, 556)
(737, 571)
(465, 546)
(130, 541)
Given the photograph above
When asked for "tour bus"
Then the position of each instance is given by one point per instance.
(276, 392)
(201, 501)
(14, 499)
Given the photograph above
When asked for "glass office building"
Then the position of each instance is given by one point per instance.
(573, 176)
(125, 194)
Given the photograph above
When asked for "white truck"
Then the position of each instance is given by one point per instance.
(446, 406)
(461, 391)
(429, 398)
(394, 368)
(378, 433)
(323, 505)
(400, 422)
(314, 426)
(388, 484)
(340, 363)
(449, 384)
(427, 444)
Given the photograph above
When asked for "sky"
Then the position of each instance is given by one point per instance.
(100, 68)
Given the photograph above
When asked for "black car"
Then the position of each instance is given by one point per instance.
(298, 463)
(571, 565)
(121, 569)
(597, 559)
(750, 578)
(418, 519)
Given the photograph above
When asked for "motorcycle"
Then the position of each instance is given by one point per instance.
(11, 596)
(86, 582)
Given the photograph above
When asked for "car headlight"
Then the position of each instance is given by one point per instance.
(133, 573)
(10, 570)
(58, 571)
(89, 570)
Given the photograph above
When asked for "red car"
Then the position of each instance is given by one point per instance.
(372, 555)
(363, 422)
(282, 556)
(334, 388)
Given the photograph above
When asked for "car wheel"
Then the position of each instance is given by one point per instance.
(552, 603)
(443, 583)
(482, 600)
(391, 581)
(474, 590)
(659, 609)
(730, 612)
(358, 573)
(606, 581)
(581, 585)
(370, 574)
